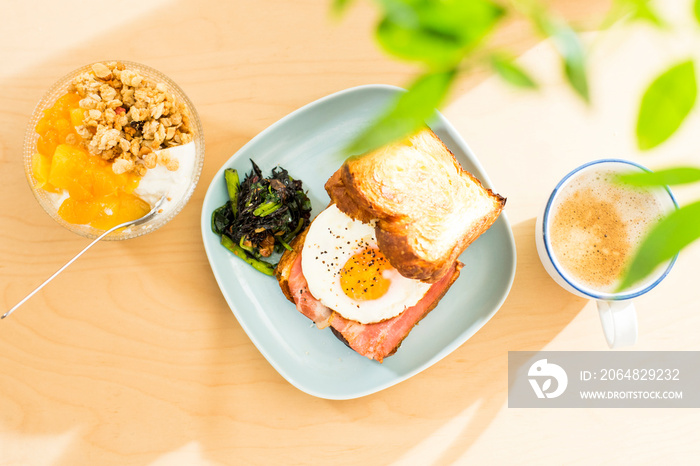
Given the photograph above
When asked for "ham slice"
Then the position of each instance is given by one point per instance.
(375, 341)
(306, 303)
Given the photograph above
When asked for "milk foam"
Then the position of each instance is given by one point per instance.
(596, 225)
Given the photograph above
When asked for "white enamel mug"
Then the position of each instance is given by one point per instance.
(617, 313)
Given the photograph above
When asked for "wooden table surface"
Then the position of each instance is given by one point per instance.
(132, 356)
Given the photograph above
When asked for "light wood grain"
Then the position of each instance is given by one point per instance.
(132, 355)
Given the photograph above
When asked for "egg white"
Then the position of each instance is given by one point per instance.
(332, 239)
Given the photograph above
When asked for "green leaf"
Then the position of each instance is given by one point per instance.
(407, 113)
(511, 72)
(339, 6)
(663, 242)
(570, 48)
(665, 104)
(670, 177)
(436, 33)
(642, 10)
(696, 10)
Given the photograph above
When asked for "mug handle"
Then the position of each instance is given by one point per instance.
(619, 320)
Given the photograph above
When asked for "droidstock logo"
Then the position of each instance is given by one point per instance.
(544, 371)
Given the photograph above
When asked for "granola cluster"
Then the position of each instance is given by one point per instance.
(128, 117)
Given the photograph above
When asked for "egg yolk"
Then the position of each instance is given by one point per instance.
(362, 275)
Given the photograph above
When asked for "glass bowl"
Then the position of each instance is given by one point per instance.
(48, 200)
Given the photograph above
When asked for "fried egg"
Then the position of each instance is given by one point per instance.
(346, 271)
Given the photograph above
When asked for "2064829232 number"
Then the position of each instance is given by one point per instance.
(639, 374)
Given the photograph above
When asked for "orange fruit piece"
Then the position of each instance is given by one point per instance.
(120, 208)
(97, 196)
(76, 116)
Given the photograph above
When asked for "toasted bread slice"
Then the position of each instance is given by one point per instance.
(428, 208)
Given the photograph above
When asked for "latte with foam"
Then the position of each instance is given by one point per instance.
(596, 225)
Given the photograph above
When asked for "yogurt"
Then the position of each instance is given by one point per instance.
(160, 181)
(57, 198)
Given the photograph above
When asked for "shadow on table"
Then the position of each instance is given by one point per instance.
(446, 408)
(135, 367)
(95, 384)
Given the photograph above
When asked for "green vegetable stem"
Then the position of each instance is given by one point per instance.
(233, 186)
(259, 265)
(266, 209)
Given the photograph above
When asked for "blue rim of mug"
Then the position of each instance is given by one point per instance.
(557, 267)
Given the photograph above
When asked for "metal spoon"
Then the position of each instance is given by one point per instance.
(138, 221)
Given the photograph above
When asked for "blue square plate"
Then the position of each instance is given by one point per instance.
(307, 143)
